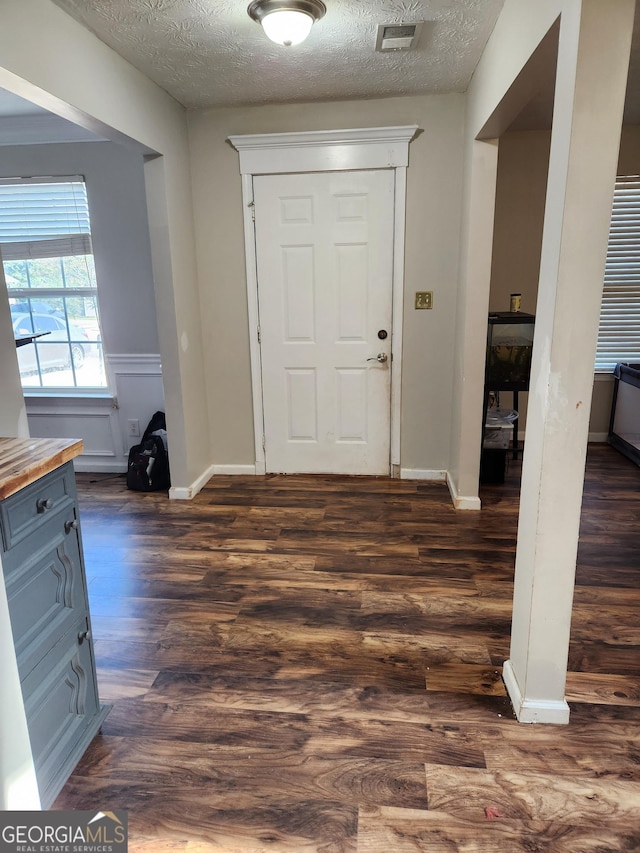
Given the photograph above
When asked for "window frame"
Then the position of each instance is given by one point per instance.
(61, 236)
(619, 329)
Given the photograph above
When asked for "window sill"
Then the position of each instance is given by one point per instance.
(50, 396)
(67, 394)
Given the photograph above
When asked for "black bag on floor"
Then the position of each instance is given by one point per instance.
(148, 468)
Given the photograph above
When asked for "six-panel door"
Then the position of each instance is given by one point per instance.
(324, 246)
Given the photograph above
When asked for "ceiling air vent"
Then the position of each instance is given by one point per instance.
(398, 36)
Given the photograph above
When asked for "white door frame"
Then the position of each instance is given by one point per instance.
(326, 151)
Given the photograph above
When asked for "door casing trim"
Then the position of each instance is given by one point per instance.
(359, 149)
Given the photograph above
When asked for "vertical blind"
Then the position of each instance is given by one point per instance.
(619, 335)
(44, 218)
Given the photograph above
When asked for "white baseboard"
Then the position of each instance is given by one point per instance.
(421, 474)
(550, 711)
(243, 470)
(465, 502)
(459, 501)
(187, 493)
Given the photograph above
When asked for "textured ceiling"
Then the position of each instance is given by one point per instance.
(209, 52)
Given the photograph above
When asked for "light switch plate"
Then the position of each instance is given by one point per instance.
(424, 299)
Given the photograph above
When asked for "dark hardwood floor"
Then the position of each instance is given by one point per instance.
(304, 664)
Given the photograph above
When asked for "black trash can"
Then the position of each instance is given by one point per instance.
(492, 465)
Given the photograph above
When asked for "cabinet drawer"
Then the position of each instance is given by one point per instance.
(46, 592)
(61, 703)
(24, 513)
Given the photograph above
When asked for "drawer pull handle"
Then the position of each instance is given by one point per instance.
(71, 525)
(44, 504)
(84, 635)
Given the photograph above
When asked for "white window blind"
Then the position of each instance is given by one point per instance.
(44, 218)
(619, 335)
(45, 242)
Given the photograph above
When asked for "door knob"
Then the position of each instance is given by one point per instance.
(381, 357)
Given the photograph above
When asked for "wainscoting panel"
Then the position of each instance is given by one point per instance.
(94, 420)
(103, 421)
(137, 380)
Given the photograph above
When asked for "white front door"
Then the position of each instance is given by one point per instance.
(324, 250)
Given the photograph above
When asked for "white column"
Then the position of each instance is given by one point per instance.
(471, 328)
(13, 412)
(593, 59)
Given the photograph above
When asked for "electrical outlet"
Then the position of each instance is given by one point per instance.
(424, 299)
(134, 426)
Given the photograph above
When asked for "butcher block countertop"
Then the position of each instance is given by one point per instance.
(25, 460)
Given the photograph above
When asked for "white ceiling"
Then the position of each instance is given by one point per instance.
(23, 123)
(210, 53)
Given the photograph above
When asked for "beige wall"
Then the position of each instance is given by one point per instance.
(433, 222)
(523, 161)
(629, 159)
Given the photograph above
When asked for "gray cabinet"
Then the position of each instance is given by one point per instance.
(44, 575)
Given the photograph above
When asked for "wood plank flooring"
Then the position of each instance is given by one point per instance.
(313, 665)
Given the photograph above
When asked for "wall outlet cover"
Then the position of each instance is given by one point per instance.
(424, 299)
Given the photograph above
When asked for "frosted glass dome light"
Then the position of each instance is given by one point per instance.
(287, 22)
(287, 28)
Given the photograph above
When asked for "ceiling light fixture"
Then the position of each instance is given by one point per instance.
(287, 22)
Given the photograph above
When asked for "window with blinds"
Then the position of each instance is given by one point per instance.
(45, 241)
(619, 334)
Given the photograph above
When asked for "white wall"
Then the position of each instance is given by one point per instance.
(433, 217)
(519, 30)
(98, 89)
(114, 176)
(83, 80)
